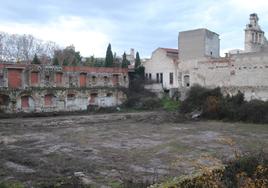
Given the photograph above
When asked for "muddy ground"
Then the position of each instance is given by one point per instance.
(108, 149)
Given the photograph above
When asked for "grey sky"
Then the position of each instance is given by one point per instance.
(140, 24)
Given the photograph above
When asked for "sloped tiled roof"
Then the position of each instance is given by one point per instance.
(171, 50)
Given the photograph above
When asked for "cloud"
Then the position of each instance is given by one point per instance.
(249, 5)
(65, 30)
(143, 25)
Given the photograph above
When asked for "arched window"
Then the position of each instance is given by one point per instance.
(186, 79)
(83, 80)
(92, 99)
(49, 100)
(34, 78)
(109, 95)
(94, 79)
(27, 102)
(4, 100)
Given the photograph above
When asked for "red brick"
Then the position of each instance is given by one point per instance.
(95, 69)
(83, 80)
(14, 78)
(48, 100)
(34, 78)
(25, 102)
(58, 79)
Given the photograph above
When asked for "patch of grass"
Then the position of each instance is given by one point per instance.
(115, 184)
(11, 185)
(178, 147)
(169, 104)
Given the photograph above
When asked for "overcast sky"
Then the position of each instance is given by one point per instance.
(140, 24)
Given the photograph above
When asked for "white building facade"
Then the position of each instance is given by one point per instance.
(161, 70)
(199, 62)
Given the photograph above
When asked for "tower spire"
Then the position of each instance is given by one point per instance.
(254, 36)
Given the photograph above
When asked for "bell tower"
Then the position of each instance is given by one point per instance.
(254, 36)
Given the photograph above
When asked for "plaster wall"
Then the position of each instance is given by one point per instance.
(161, 63)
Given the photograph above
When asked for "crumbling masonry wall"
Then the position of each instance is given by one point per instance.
(42, 88)
(247, 73)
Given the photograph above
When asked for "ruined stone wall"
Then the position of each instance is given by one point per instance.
(51, 88)
(246, 72)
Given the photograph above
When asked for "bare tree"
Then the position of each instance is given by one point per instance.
(23, 47)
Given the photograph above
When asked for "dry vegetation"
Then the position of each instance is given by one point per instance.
(118, 149)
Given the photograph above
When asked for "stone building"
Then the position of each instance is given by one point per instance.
(199, 62)
(254, 37)
(161, 71)
(45, 88)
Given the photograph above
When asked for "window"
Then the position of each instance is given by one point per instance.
(14, 78)
(58, 78)
(48, 100)
(150, 76)
(161, 78)
(116, 79)
(146, 75)
(171, 78)
(93, 97)
(94, 79)
(34, 78)
(4, 100)
(71, 81)
(25, 102)
(1, 80)
(186, 80)
(83, 80)
(105, 78)
(70, 96)
(256, 37)
(157, 77)
(46, 79)
(109, 95)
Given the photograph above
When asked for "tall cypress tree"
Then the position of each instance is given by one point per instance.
(137, 60)
(36, 60)
(125, 62)
(65, 62)
(56, 61)
(109, 59)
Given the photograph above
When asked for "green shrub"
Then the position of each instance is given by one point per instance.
(11, 185)
(253, 167)
(196, 98)
(150, 103)
(254, 111)
(169, 104)
(215, 106)
(247, 171)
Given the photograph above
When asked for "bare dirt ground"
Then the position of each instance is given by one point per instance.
(107, 149)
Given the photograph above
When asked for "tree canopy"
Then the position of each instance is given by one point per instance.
(68, 56)
(17, 48)
(36, 60)
(125, 62)
(56, 61)
(137, 60)
(109, 59)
